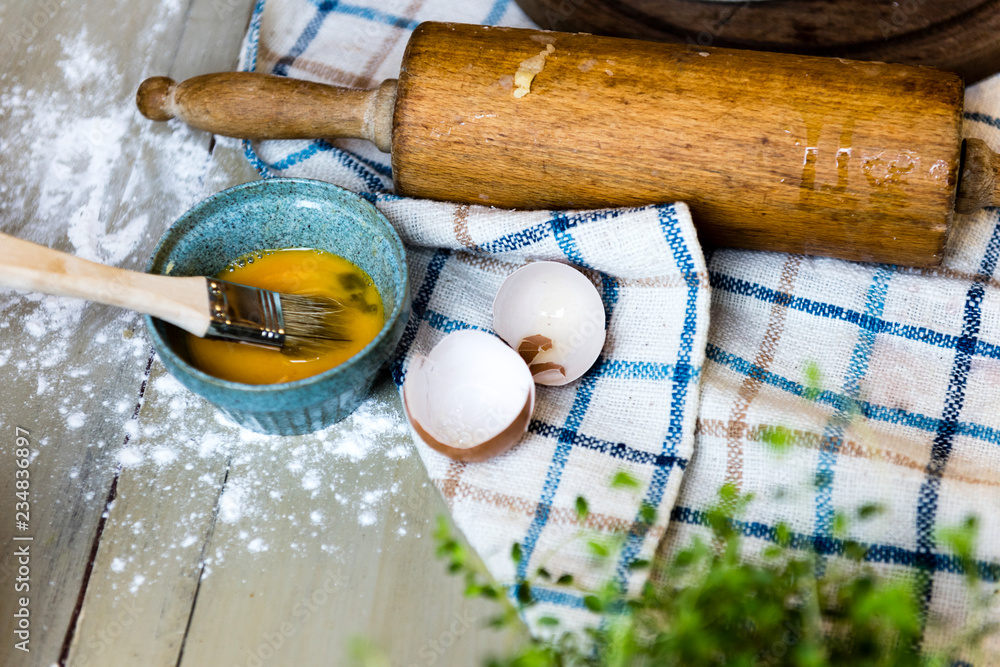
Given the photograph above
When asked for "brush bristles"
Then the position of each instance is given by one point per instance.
(312, 323)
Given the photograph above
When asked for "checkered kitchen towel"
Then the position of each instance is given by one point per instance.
(634, 411)
(887, 379)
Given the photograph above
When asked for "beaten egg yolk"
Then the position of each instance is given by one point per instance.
(293, 271)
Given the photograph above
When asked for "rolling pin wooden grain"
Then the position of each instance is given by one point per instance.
(823, 156)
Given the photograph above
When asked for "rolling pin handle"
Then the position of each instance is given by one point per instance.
(154, 98)
(253, 105)
(979, 184)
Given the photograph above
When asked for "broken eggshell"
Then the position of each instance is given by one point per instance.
(470, 398)
(554, 317)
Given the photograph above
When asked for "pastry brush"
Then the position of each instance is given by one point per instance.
(206, 307)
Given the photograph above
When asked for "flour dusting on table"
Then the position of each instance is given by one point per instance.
(276, 485)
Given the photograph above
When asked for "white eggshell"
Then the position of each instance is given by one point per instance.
(554, 317)
(470, 398)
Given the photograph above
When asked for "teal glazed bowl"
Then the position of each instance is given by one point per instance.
(285, 213)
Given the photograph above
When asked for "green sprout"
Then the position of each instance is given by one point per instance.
(713, 606)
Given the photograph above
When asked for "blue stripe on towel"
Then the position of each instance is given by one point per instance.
(618, 450)
(349, 160)
(609, 295)
(446, 324)
(253, 37)
(249, 65)
(417, 310)
(373, 15)
(944, 437)
(982, 118)
(561, 222)
(831, 546)
(560, 456)
(354, 162)
(863, 320)
(834, 431)
(377, 16)
(308, 34)
(255, 160)
(679, 390)
(497, 11)
(562, 598)
(841, 402)
(646, 370)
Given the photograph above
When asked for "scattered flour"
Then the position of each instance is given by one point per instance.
(80, 66)
(310, 480)
(232, 503)
(130, 456)
(164, 455)
(343, 470)
(84, 190)
(81, 188)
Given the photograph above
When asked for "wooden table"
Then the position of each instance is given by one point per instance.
(160, 534)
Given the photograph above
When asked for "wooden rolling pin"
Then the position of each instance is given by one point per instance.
(863, 161)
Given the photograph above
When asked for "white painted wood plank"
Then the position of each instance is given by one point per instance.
(347, 513)
(84, 173)
(326, 537)
(147, 568)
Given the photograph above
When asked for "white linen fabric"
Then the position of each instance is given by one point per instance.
(885, 381)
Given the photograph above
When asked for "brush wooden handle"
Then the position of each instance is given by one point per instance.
(261, 106)
(791, 153)
(31, 267)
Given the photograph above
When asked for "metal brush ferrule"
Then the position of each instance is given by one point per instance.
(247, 314)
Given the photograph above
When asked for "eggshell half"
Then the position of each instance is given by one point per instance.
(554, 317)
(471, 398)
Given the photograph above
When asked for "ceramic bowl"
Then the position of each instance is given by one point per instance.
(285, 213)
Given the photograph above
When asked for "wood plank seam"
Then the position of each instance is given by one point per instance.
(201, 559)
(112, 494)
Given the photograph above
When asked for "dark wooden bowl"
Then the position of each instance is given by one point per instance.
(958, 35)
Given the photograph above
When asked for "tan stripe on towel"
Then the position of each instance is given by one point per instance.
(856, 449)
(950, 274)
(488, 264)
(266, 59)
(671, 281)
(751, 384)
(449, 485)
(335, 75)
(557, 515)
(460, 222)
